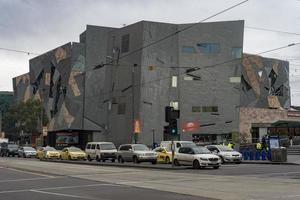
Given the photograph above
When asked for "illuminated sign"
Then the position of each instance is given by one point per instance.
(190, 126)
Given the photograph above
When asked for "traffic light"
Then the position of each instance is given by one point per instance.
(173, 127)
(171, 114)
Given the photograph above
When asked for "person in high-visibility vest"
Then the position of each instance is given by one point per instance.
(258, 146)
(230, 145)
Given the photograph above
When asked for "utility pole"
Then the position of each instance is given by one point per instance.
(133, 110)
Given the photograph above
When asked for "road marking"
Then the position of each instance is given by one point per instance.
(61, 194)
(33, 173)
(25, 179)
(58, 188)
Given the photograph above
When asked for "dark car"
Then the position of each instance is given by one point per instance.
(9, 149)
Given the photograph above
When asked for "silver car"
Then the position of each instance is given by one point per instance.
(225, 153)
(26, 152)
(136, 153)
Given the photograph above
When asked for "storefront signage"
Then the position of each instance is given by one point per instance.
(190, 126)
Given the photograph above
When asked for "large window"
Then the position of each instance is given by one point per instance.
(188, 49)
(125, 43)
(209, 48)
(236, 52)
(174, 81)
(209, 108)
(196, 109)
(174, 104)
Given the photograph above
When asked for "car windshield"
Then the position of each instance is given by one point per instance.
(140, 148)
(74, 149)
(201, 150)
(50, 149)
(108, 146)
(12, 146)
(29, 149)
(224, 148)
(188, 144)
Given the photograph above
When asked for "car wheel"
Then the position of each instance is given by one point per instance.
(98, 159)
(239, 162)
(167, 160)
(103, 160)
(113, 160)
(69, 157)
(89, 158)
(196, 164)
(120, 159)
(135, 159)
(216, 167)
(154, 162)
(222, 160)
(176, 162)
(60, 157)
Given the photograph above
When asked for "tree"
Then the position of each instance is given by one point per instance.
(26, 116)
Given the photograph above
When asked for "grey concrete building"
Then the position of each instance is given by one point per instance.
(117, 81)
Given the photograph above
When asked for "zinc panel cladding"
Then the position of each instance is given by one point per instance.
(267, 82)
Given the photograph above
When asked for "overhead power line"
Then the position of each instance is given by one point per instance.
(193, 69)
(271, 30)
(172, 34)
(19, 51)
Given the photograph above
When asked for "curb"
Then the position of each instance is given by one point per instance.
(118, 165)
(268, 163)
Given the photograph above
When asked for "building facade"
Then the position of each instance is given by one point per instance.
(117, 81)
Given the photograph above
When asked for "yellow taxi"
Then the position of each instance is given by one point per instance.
(163, 155)
(72, 153)
(47, 153)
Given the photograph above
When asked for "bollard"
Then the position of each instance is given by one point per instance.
(269, 155)
(245, 155)
(251, 155)
(263, 155)
(257, 155)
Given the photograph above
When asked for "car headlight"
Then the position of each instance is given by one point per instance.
(204, 159)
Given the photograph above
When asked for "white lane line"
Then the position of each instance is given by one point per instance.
(24, 179)
(59, 188)
(61, 194)
(33, 173)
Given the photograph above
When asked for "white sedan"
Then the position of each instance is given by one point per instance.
(198, 157)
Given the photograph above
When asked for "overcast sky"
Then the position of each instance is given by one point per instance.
(41, 25)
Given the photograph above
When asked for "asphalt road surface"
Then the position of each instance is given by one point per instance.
(71, 181)
(20, 185)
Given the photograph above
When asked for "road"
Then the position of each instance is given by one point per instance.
(71, 181)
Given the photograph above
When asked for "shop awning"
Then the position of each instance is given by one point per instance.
(287, 123)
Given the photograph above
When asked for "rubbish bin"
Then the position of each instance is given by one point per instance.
(279, 154)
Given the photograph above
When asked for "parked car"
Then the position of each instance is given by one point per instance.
(136, 153)
(198, 157)
(177, 144)
(72, 153)
(8, 149)
(47, 153)
(163, 155)
(101, 151)
(225, 153)
(26, 152)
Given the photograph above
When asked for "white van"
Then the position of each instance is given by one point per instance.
(177, 144)
(101, 151)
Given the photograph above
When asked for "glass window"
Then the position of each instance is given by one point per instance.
(108, 146)
(188, 49)
(93, 146)
(209, 48)
(125, 43)
(196, 109)
(209, 108)
(235, 79)
(174, 81)
(88, 146)
(174, 104)
(188, 78)
(236, 52)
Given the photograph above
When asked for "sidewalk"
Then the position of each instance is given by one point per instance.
(291, 160)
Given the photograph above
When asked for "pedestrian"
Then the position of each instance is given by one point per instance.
(230, 145)
(258, 146)
(264, 143)
(291, 140)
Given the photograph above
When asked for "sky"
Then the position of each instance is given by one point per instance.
(41, 25)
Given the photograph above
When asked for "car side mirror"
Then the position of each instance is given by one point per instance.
(215, 151)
